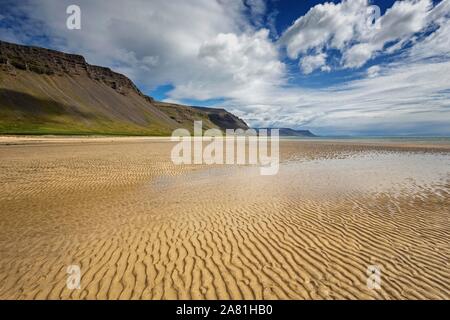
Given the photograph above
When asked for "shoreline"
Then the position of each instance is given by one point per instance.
(401, 142)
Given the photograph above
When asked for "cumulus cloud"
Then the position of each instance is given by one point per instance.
(234, 66)
(409, 95)
(327, 24)
(257, 10)
(310, 63)
(357, 55)
(373, 71)
(436, 44)
(347, 27)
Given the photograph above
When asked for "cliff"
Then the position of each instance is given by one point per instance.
(288, 132)
(47, 91)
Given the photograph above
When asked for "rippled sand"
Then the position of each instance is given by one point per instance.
(142, 228)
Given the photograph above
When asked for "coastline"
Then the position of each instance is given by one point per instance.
(401, 142)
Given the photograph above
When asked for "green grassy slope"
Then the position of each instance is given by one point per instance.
(40, 104)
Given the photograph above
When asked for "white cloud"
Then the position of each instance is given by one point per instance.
(257, 10)
(435, 45)
(401, 21)
(373, 71)
(327, 24)
(405, 98)
(310, 63)
(234, 66)
(408, 96)
(344, 26)
(357, 55)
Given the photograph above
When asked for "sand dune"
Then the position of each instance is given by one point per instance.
(142, 228)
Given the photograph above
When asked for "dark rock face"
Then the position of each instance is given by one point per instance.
(296, 133)
(51, 62)
(224, 119)
(288, 132)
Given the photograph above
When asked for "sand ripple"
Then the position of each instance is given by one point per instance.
(141, 228)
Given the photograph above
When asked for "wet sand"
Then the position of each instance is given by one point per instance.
(141, 227)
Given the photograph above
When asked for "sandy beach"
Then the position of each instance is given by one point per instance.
(141, 227)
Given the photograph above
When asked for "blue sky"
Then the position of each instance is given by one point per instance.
(318, 65)
(284, 13)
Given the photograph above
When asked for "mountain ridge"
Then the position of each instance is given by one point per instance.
(288, 132)
(44, 91)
